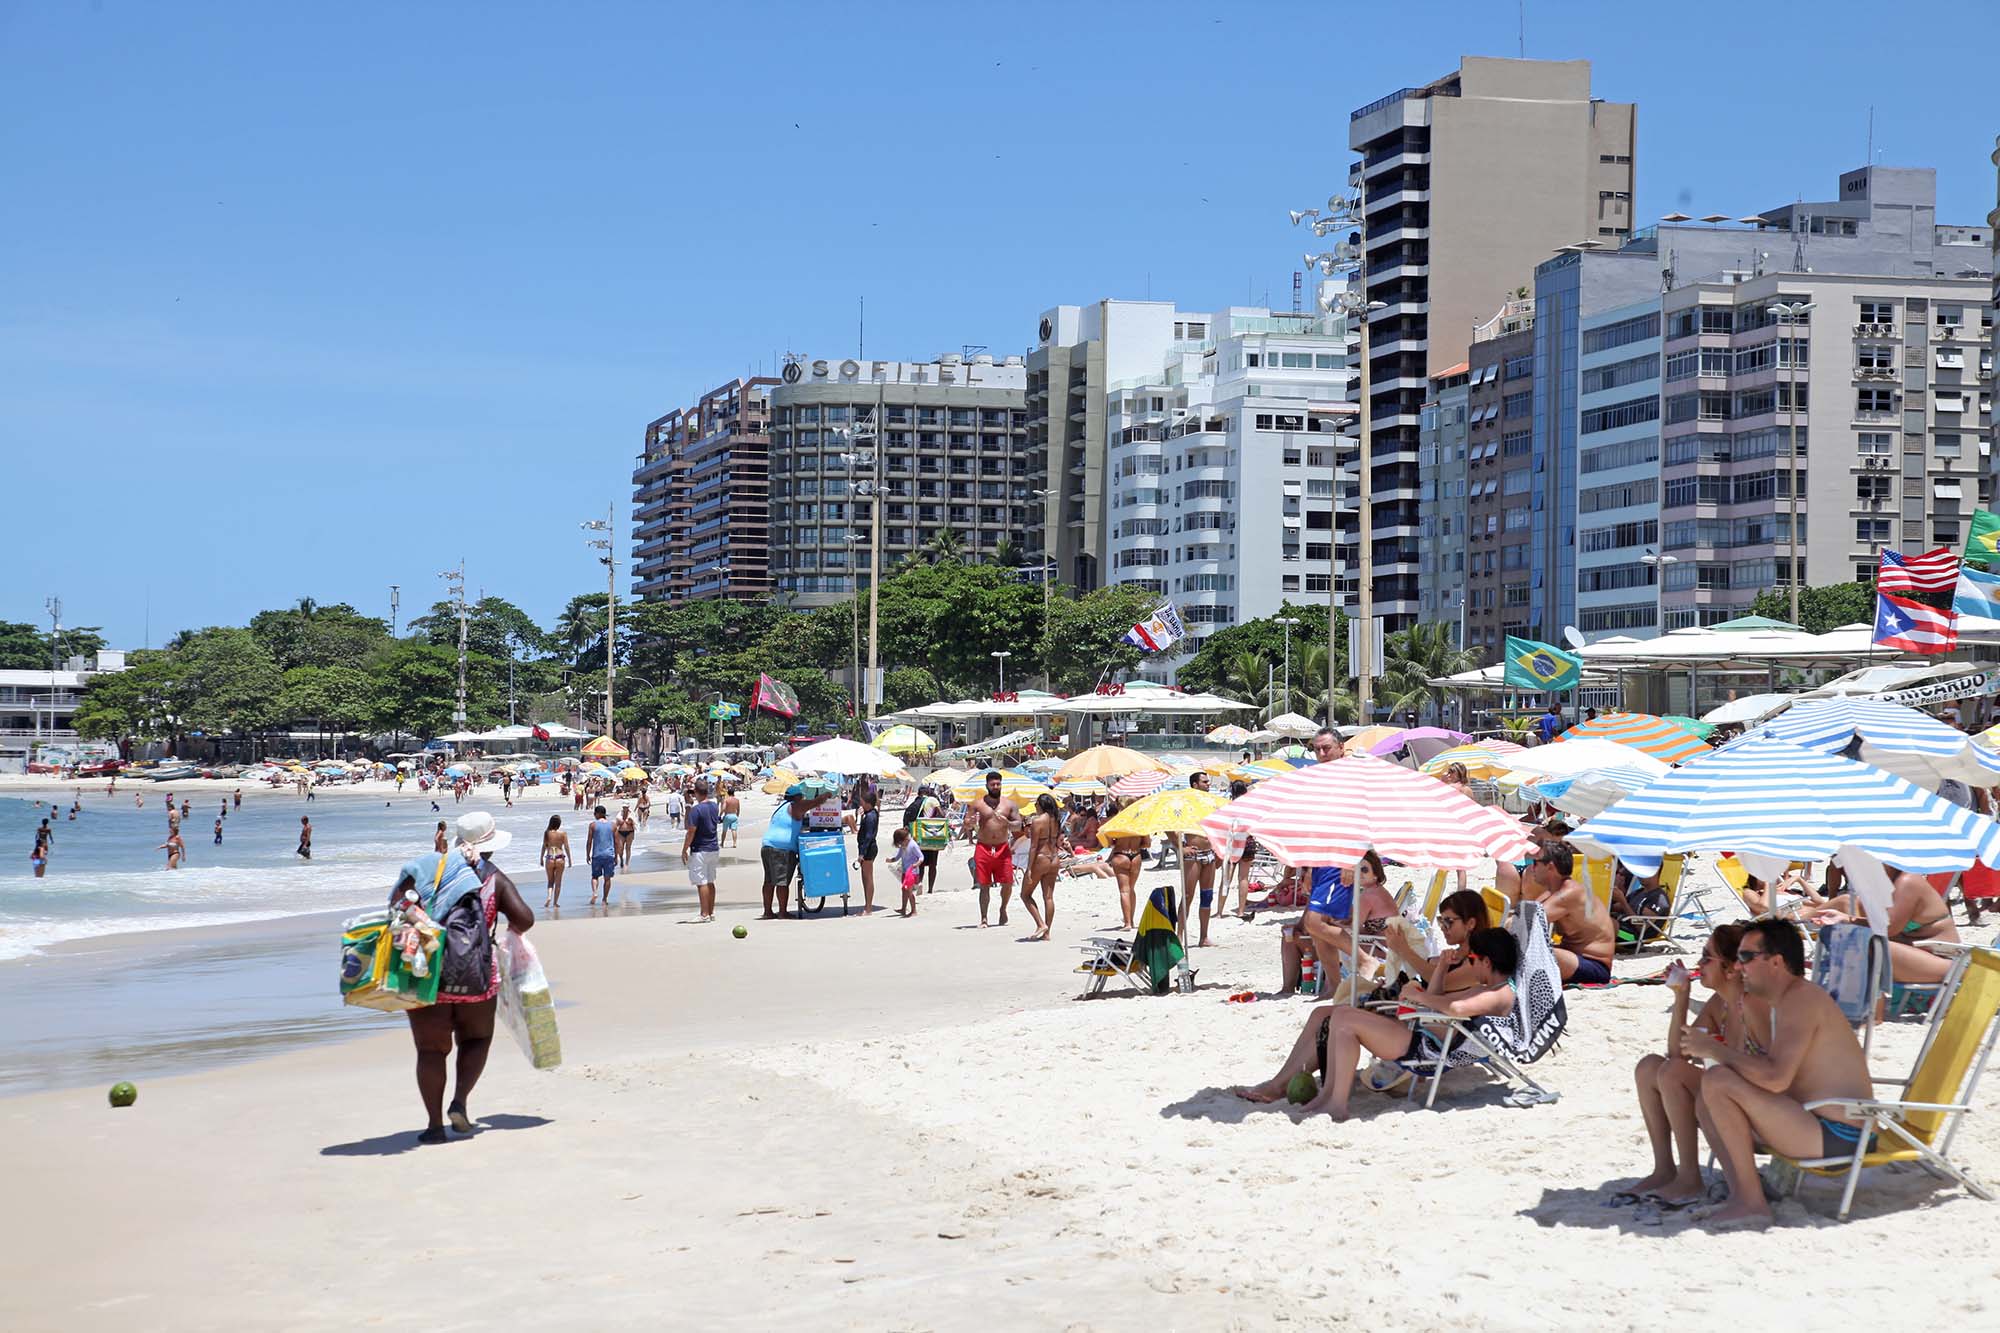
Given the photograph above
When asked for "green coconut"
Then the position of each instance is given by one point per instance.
(741, 932)
(1302, 1089)
(123, 1094)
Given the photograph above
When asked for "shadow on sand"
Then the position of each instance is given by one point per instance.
(389, 1145)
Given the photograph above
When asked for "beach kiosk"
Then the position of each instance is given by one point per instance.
(823, 859)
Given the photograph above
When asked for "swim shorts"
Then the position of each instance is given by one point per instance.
(992, 865)
(779, 865)
(1590, 972)
(701, 867)
(601, 867)
(1837, 1138)
(729, 821)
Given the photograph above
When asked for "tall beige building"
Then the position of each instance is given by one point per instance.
(1470, 181)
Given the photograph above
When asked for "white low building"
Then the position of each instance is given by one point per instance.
(37, 707)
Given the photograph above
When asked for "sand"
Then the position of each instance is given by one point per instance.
(874, 1123)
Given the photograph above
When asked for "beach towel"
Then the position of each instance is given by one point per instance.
(1539, 1011)
(1850, 968)
(1158, 948)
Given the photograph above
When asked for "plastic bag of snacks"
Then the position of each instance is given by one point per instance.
(376, 973)
(527, 1009)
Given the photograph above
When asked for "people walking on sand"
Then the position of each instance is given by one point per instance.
(1045, 831)
(991, 823)
(701, 849)
(306, 837)
(600, 840)
(907, 860)
(627, 831)
(465, 892)
(555, 858)
(731, 806)
(1198, 861)
(676, 806)
(645, 811)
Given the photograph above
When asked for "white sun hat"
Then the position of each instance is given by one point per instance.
(478, 832)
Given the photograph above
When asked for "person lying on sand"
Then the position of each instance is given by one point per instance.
(1334, 1035)
(1757, 1097)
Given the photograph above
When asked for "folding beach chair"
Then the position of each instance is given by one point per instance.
(1433, 895)
(1497, 905)
(1505, 1045)
(1919, 1126)
(1152, 963)
(1683, 897)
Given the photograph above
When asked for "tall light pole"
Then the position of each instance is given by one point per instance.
(864, 433)
(608, 526)
(1002, 657)
(395, 606)
(1659, 565)
(1288, 622)
(1048, 568)
(1795, 315)
(455, 585)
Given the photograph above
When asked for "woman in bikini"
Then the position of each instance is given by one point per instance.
(1917, 912)
(1668, 1084)
(555, 857)
(1124, 862)
(1044, 847)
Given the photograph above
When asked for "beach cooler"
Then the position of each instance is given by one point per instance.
(823, 870)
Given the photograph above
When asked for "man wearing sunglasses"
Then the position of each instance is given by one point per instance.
(1749, 1099)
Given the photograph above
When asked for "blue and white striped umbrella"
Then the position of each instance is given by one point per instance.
(1585, 795)
(1766, 795)
(1902, 740)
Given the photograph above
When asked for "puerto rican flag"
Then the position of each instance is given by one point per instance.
(1912, 626)
(1933, 571)
(1159, 631)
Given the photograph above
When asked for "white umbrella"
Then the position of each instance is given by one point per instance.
(846, 758)
(1291, 724)
(1581, 756)
(1749, 710)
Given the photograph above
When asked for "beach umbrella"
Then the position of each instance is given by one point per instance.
(1016, 786)
(781, 778)
(1271, 766)
(1749, 710)
(603, 747)
(1291, 724)
(1298, 752)
(905, 739)
(1180, 810)
(1589, 794)
(404, 763)
(1140, 784)
(1693, 726)
(1420, 742)
(1642, 731)
(1767, 797)
(1568, 758)
(1499, 746)
(948, 777)
(1109, 761)
(1479, 762)
(1262, 736)
(1081, 787)
(1910, 744)
(1229, 734)
(1331, 813)
(846, 757)
(458, 771)
(634, 774)
(1366, 739)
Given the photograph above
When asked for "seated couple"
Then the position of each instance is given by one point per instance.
(1471, 979)
(1322, 928)
(1766, 1042)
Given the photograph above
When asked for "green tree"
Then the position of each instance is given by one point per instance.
(333, 698)
(23, 647)
(947, 547)
(494, 627)
(412, 688)
(1007, 555)
(1820, 609)
(233, 683)
(1086, 635)
(1423, 652)
(1266, 637)
(143, 702)
(908, 687)
(311, 635)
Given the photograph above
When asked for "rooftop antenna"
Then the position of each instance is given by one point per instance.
(1524, 29)
(861, 332)
(1869, 160)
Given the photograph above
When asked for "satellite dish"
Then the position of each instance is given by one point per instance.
(1571, 637)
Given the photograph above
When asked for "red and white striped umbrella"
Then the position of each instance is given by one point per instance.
(1499, 746)
(1331, 813)
(1140, 784)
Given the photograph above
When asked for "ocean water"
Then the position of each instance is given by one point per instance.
(107, 875)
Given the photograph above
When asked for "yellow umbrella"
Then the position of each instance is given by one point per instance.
(1109, 761)
(603, 747)
(1365, 740)
(904, 739)
(781, 778)
(1479, 762)
(633, 775)
(1174, 810)
(1015, 786)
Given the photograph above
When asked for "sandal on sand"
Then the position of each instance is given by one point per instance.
(460, 1121)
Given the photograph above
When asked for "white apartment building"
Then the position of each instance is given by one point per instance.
(1221, 469)
(1618, 471)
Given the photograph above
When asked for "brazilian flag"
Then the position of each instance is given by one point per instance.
(1539, 666)
(1158, 945)
(1982, 542)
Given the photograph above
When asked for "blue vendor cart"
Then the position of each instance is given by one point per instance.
(822, 870)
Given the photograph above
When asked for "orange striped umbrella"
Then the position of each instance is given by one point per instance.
(1664, 740)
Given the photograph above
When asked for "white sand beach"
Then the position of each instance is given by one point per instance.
(874, 1123)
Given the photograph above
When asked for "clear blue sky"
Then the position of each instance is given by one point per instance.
(306, 304)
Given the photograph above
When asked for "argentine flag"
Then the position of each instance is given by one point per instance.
(1977, 594)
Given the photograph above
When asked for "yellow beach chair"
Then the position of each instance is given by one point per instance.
(1681, 896)
(1919, 1125)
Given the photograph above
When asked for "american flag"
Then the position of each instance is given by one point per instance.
(1912, 626)
(1933, 571)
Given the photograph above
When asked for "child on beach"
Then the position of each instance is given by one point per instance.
(908, 859)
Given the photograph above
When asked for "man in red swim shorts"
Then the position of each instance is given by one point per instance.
(992, 822)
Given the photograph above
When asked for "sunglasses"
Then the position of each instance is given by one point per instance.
(1447, 919)
(1751, 955)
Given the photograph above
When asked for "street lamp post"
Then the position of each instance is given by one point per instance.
(1659, 564)
(608, 526)
(1048, 568)
(1795, 315)
(1288, 622)
(1001, 657)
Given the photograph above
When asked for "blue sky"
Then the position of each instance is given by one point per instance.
(308, 303)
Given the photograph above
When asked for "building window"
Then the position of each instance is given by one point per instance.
(1873, 399)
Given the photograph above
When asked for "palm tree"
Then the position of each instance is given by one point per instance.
(1007, 555)
(1309, 687)
(1415, 656)
(945, 547)
(1247, 676)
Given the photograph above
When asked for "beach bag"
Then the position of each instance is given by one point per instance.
(373, 973)
(931, 833)
(527, 1009)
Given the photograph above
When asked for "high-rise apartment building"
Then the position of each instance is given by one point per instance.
(1079, 353)
(701, 499)
(1616, 464)
(1469, 182)
(945, 443)
(1496, 512)
(1444, 475)
(1221, 468)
